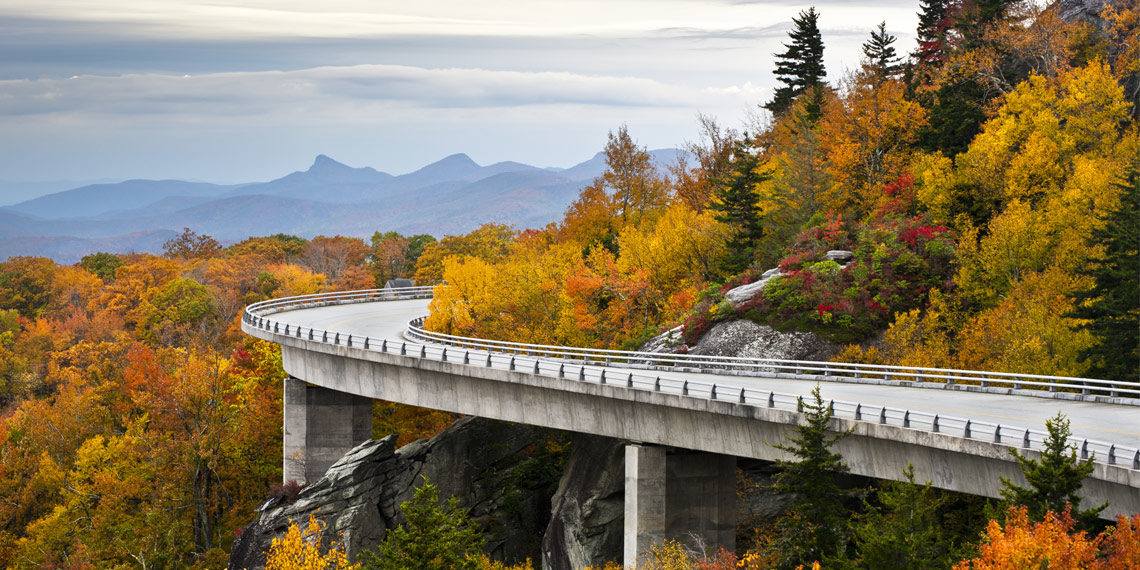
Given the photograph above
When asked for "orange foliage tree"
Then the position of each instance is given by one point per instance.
(1052, 544)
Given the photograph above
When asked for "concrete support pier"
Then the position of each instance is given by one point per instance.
(644, 501)
(321, 425)
(685, 496)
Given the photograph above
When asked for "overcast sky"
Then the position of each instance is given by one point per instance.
(249, 90)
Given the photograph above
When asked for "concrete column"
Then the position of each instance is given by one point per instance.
(700, 499)
(321, 425)
(687, 496)
(644, 501)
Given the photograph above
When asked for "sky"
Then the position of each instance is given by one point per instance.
(231, 91)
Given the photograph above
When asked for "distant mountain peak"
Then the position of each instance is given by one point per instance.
(457, 159)
(324, 163)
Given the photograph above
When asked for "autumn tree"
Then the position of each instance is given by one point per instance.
(713, 153)
(1054, 477)
(800, 67)
(388, 256)
(181, 309)
(869, 135)
(277, 248)
(490, 242)
(191, 245)
(331, 256)
(305, 549)
(101, 264)
(801, 178)
(591, 218)
(631, 179)
(1047, 543)
(25, 284)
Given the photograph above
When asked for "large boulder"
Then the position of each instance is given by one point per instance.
(738, 296)
(744, 338)
(588, 510)
(487, 464)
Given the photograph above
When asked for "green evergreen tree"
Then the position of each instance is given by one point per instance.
(816, 527)
(955, 113)
(800, 67)
(905, 531)
(1113, 304)
(932, 26)
(1054, 478)
(879, 54)
(435, 537)
(737, 205)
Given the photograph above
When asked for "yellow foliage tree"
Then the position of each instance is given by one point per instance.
(305, 550)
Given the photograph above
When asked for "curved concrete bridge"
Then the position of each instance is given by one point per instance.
(689, 419)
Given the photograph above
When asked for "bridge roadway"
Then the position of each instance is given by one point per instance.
(333, 381)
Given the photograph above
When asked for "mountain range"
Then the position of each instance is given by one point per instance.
(451, 196)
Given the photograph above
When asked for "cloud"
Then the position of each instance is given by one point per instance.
(257, 93)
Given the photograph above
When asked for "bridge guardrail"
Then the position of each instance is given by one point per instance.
(800, 369)
(599, 367)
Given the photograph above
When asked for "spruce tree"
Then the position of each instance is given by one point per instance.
(1113, 303)
(905, 529)
(800, 67)
(737, 205)
(879, 54)
(435, 537)
(816, 526)
(1054, 478)
(932, 26)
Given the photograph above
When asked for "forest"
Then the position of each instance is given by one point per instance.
(987, 184)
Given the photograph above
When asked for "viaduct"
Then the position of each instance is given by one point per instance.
(688, 418)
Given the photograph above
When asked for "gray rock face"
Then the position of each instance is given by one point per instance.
(744, 293)
(476, 460)
(747, 339)
(587, 524)
(665, 342)
(840, 256)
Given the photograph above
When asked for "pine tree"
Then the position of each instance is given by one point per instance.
(1054, 478)
(879, 54)
(435, 537)
(800, 67)
(737, 205)
(816, 527)
(905, 531)
(932, 26)
(1113, 304)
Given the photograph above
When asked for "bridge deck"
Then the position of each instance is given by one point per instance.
(1118, 424)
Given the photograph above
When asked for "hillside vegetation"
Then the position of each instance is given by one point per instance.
(987, 187)
(987, 190)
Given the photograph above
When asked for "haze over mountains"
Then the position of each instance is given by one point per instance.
(451, 196)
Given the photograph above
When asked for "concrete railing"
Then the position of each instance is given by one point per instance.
(640, 371)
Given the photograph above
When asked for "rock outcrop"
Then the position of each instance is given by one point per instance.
(747, 339)
(488, 465)
(741, 295)
(588, 510)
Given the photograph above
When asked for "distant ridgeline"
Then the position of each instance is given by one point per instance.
(452, 196)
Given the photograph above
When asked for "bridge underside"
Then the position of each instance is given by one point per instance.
(676, 494)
